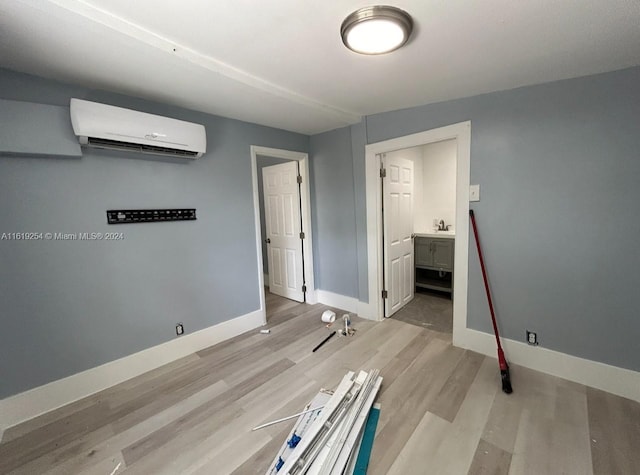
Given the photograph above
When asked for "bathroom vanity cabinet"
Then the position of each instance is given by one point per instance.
(434, 261)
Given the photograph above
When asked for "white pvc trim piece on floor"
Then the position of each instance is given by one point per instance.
(348, 438)
(320, 424)
(37, 401)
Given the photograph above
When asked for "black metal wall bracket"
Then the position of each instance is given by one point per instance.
(126, 216)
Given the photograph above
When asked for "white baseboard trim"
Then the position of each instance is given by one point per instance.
(367, 310)
(350, 304)
(619, 381)
(29, 404)
(312, 296)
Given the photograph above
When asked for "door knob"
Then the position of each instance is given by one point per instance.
(268, 241)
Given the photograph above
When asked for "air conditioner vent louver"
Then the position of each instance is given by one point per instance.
(131, 147)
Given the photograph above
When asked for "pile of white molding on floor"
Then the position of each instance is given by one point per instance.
(328, 441)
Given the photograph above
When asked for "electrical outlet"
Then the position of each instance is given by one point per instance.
(532, 338)
(179, 329)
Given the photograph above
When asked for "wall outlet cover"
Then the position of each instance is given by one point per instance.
(532, 338)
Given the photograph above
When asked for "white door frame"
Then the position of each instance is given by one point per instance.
(462, 133)
(283, 224)
(305, 197)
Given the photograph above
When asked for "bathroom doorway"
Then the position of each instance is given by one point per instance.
(420, 216)
(442, 303)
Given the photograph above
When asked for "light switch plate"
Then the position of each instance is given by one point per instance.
(474, 193)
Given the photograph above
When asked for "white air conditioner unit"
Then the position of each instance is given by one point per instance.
(114, 128)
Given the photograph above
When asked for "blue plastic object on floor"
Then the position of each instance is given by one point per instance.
(293, 441)
(362, 462)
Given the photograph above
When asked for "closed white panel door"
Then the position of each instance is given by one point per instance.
(282, 214)
(398, 231)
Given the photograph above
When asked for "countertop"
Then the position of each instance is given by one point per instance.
(438, 234)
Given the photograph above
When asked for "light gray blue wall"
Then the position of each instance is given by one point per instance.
(559, 168)
(333, 213)
(358, 143)
(66, 306)
(261, 162)
(36, 130)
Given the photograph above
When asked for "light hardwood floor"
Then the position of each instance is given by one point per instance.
(442, 410)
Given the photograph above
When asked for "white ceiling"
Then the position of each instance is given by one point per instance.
(282, 63)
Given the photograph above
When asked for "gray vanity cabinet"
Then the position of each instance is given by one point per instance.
(434, 263)
(443, 254)
(422, 252)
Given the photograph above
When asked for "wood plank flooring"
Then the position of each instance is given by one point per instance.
(442, 410)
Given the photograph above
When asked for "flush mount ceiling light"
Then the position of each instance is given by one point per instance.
(376, 30)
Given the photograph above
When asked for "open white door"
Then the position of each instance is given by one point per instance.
(399, 277)
(284, 242)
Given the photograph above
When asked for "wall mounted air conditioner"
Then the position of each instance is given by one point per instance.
(114, 128)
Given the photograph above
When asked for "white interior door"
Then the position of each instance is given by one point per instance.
(284, 243)
(397, 198)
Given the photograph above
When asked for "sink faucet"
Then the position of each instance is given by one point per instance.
(442, 227)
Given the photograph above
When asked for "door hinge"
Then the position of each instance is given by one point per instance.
(383, 172)
(299, 179)
(302, 235)
(304, 288)
(384, 294)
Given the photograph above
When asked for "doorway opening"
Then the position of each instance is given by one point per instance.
(293, 264)
(461, 134)
(418, 213)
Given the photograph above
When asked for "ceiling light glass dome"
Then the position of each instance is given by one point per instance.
(376, 30)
